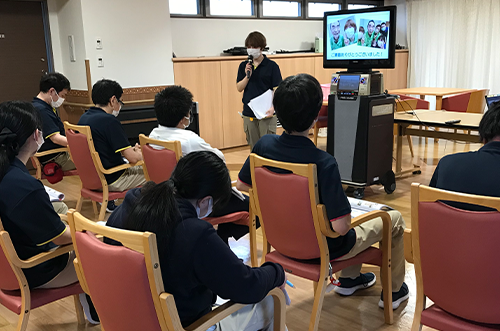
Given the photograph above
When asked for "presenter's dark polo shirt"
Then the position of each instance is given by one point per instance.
(109, 139)
(29, 218)
(475, 173)
(266, 76)
(52, 125)
(298, 149)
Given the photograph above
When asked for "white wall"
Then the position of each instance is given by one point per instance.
(209, 37)
(401, 20)
(65, 18)
(136, 38)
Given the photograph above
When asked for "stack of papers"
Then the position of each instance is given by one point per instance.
(261, 104)
(54, 195)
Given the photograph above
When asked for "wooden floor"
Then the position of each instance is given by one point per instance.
(358, 312)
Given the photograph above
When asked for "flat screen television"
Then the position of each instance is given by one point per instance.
(360, 40)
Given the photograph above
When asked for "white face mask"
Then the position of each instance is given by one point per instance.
(349, 32)
(209, 210)
(39, 144)
(116, 112)
(255, 52)
(58, 103)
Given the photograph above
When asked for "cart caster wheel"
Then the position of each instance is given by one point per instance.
(359, 193)
(390, 188)
(417, 172)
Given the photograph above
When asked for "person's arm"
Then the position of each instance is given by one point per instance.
(242, 79)
(197, 143)
(59, 139)
(219, 269)
(132, 154)
(342, 224)
(64, 238)
(240, 186)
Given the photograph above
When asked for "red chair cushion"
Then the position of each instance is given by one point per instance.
(421, 104)
(12, 299)
(311, 269)
(323, 117)
(159, 162)
(240, 218)
(118, 284)
(460, 268)
(97, 196)
(439, 319)
(457, 103)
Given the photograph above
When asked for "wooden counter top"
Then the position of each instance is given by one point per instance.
(244, 57)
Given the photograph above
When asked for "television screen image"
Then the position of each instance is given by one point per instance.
(359, 38)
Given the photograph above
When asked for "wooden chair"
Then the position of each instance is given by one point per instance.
(15, 293)
(421, 103)
(468, 102)
(38, 165)
(323, 114)
(159, 163)
(295, 224)
(456, 264)
(405, 106)
(90, 169)
(158, 166)
(125, 282)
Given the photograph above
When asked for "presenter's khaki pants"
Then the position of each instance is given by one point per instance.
(255, 129)
(370, 233)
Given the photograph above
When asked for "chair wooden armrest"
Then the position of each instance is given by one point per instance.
(35, 260)
(408, 244)
(79, 274)
(221, 312)
(115, 169)
(63, 218)
(52, 151)
(327, 230)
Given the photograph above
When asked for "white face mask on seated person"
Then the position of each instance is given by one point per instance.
(209, 207)
(38, 136)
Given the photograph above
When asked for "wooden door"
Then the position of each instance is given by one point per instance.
(23, 51)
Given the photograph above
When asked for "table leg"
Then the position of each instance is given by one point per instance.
(422, 96)
(439, 102)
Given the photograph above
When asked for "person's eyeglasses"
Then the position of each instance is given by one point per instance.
(120, 102)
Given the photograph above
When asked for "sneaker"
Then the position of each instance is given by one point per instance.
(89, 309)
(348, 285)
(397, 297)
(111, 206)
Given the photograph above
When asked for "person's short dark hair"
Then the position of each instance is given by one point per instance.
(104, 90)
(361, 29)
(371, 21)
(383, 23)
(489, 127)
(172, 104)
(378, 26)
(382, 37)
(297, 102)
(256, 39)
(54, 80)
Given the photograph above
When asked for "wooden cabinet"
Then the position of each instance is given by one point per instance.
(212, 80)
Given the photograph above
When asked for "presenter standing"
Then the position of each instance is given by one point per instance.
(256, 76)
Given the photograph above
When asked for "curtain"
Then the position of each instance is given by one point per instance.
(454, 43)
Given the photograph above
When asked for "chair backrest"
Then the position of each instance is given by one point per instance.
(81, 149)
(406, 105)
(456, 253)
(326, 91)
(421, 104)
(8, 278)
(477, 101)
(160, 158)
(124, 282)
(287, 206)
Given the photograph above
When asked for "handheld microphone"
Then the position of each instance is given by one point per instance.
(249, 60)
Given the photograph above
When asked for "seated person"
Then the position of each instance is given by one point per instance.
(173, 110)
(53, 90)
(110, 140)
(196, 265)
(474, 172)
(25, 208)
(297, 102)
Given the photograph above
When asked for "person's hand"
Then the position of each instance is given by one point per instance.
(270, 112)
(346, 41)
(249, 68)
(137, 147)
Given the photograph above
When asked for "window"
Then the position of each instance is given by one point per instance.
(184, 7)
(357, 6)
(231, 8)
(281, 8)
(317, 9)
